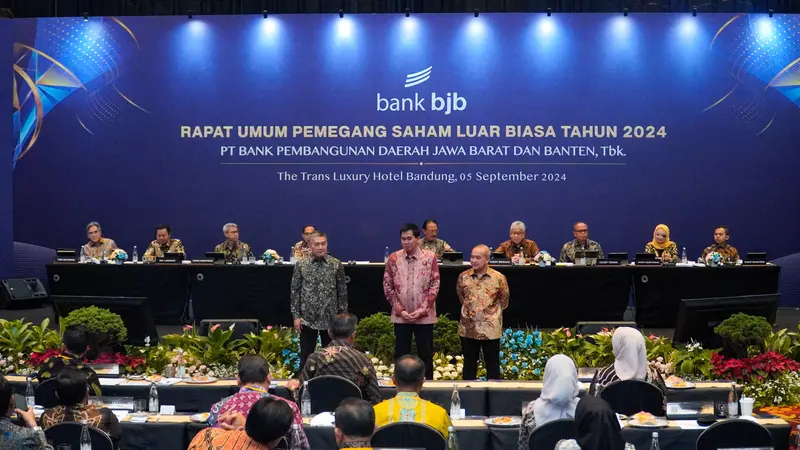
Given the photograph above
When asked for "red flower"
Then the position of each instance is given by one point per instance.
(37, 359)
(771, 364)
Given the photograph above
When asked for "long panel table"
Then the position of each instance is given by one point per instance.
(544, 297)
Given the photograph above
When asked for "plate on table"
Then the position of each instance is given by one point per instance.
(386, 382)
(503, 421)
(200, 380)
(201, 417)
(674, 382)
(647, 420)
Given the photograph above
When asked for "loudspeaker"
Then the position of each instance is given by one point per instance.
(22, 293)
(243, 326)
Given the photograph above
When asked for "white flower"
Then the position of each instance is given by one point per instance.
(449, 357)
(459, 358)
(211, 373)
(437, 376)
(375, 361)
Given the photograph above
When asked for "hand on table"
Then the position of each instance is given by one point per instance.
(298, 325)
(232, 420)
(28, 416)
(666, 257)
(293, 384)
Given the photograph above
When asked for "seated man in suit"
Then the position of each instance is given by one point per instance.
(407, 406)
(98, 247)
(233, 248)
(75, 342)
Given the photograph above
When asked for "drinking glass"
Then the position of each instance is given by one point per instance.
(140, 405)
(64, 447)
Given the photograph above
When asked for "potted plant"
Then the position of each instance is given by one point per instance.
(741, 331)
(106, 330)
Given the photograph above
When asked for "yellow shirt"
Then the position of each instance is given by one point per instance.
(408, 407)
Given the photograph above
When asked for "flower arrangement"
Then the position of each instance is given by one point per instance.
(520, 356)
(118, 255)
(270, 256)
(782, 390)
(544, 258)
(762, 367)
(692, 362)
(447, 367)
(713, 259)
(382, 370)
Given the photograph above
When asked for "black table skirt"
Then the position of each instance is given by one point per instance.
(177, 436)
(545, 297)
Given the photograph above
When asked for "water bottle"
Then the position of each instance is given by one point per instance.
(797, 438)
(733, 402)
(386, 255)
(455, 404)
(135, 255)
(30, 397)
(82, 254)
(452, 440)
(292, 259)
(105, 255)
(305, 401)
(153, 406)
(684, 259)
(244, 254)
(86, 440)
(295, 438)
(654, 445)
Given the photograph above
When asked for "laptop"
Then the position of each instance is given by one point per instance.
(499, 258)
(622, 257)
(586, 257)
(757, 256)
(219, 258)
(645, 257)
(453, 258)
(70, 252)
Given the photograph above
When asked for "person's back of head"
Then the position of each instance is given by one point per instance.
(253, 369)
(6, 396)
(409, 373)
(268, 421)
(597, 425)
(354, 421)
(342, 327)
(75, 339)
(72, 386)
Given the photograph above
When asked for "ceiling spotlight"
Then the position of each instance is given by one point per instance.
(625, 12)
(771, 12)
(549, 12)
(408, 12)
(266, 14)
(86, 17)
(341, 14)
(475, 12)
(694, 11)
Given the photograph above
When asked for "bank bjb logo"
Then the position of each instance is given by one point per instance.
(447, 103)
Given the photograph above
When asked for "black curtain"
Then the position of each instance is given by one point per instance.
(62, 8)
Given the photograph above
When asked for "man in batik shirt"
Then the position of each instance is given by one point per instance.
(341, 359)
(233, 248)
(721, 246)
(164, 243)
(431, 242)
(411, 284)
(318, 292)
(74, 344)
(302, 249)
(98, 247)
(254, 379)
(517, 248)
(483, 293)
(581, 243)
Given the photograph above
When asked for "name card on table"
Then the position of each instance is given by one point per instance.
(66, 259)
(648, 263)
(168, 260)
(502, 262)
(203, 261)
(754, 262)
(609, 262)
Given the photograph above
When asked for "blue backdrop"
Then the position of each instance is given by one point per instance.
(634, 121)
(6, 143)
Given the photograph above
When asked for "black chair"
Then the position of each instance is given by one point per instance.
(734, 433)
(548, 435)
(45, 394)
(629, 397)
(70, 433)
(408, 435)
(328, 391)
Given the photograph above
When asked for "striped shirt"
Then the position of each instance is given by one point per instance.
(608, 375)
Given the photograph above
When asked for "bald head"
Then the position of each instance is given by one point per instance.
(479, 259)
(581, 232)
(409, 373)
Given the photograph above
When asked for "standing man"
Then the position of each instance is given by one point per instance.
(411, 284)
(98, 246)
(233, 248)
(581, 242)
(483, 293)
(164, 243)
(319, 292)
(431, 241)
(517, 248)
(302, 249)
(728, 252)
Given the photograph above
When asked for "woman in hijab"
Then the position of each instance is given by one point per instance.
(630, 363)
(597, 426)
(661, 246)
(558, 400)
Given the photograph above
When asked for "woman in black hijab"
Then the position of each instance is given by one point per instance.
(598, 427)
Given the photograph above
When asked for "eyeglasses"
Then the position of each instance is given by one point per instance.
(581, 231)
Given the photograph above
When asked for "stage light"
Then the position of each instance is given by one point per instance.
(408, 12)
(409, 25)
(549, 12)
(266, 14)
(475, 12)
(344, 28)
(621, 27)
(688, 27)
(546, 26)
(476, 28)
(765, 29)
(694, 11)
(269, 26)
(190, 13)
(624, 12)
(771, 12)
(341, 14)
(85, 17)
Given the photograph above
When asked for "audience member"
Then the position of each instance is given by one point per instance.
(14, 437)
(266, 426)
(75, 343)
(354, 424)
(597, 426)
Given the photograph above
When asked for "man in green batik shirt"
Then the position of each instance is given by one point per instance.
(319, 292)
(581, 242)
(430, 241)
(233, 248)
(75, 343)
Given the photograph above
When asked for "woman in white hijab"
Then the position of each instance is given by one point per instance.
(630, 363)
(558, 399)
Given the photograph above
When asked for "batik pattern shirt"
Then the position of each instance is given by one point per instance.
(101, 418)
(412, 282)
(14, 437)
(233, 253)
(437, 246)
(318, 291)
(671, 250)
(53, 366)
(243, 402)
(727, 251)
(156, 250)
(341, 359)
(301, 250)
(103, 246)
(569, 249)
(409, 407)
(608, 375)
(219, 439)
(527, 247)
(483, 299)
